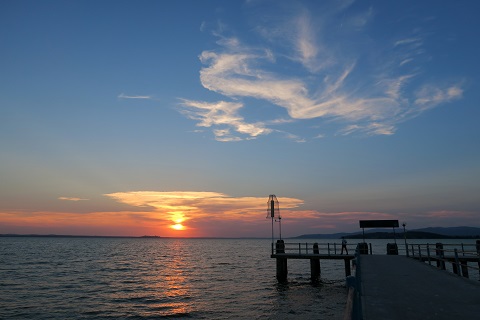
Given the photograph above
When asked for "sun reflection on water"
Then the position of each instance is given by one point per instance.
(175, 282)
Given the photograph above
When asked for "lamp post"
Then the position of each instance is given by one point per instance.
(405, 238)
(273, 212)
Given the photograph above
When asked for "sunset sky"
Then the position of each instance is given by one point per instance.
(179, 118)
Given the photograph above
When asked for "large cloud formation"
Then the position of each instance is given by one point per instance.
(310, 74)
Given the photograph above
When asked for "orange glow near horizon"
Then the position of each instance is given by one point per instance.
(176, 209)
(190, 214)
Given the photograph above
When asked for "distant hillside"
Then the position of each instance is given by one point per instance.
(323, 236)
(410, 235)
(453, 231)
(424, 233)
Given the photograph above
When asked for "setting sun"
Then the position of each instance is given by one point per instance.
(178, 226)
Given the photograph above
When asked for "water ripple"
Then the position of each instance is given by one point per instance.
(102, 278)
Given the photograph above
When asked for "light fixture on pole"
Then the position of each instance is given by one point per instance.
(273, 212)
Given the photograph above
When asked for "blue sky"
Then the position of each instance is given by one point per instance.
(130, 117)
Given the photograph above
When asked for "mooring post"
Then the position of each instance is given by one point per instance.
(464, 267)
(440, 255)
(456, 263)
(362, 248)
(348, 271)
(315, 265)
(281, 262)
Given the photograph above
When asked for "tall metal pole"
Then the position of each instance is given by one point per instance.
(280, 223)
(272, 230)
(405, 238)
(272, 213)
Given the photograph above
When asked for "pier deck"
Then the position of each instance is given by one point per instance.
(396, 287)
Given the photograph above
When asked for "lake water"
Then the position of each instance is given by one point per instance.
(121, 278)
(129, 278)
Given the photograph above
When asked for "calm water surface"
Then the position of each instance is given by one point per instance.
(101, 278)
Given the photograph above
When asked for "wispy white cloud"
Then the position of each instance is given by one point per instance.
(203, 26)
(417, 41)
(405, 61)
(223, 116)
(306, 43)
(72, 199)
(429, 96)
(366, 98)
(124, 96)
(361, 19)
(295, 138)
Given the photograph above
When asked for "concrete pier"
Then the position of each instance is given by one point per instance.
(396, 287)
(315, 252)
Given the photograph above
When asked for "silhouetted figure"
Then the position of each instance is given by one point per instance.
(344, 245)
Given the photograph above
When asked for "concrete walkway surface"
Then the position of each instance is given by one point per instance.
(396, 287)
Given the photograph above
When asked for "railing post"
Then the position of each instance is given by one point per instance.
(428, 254)
(419, 253)
(440, 255)
(464, 267)
(306, 248)
(456, 269)
(370, 245)
(334, 248)
(477, 245)
(413, 251)
(328, 248)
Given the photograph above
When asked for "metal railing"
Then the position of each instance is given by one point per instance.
(303, 248)
(353, 307)
(459, 255)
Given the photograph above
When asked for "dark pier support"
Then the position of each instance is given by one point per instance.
(315, 265)
(282, 253)
(282, 269)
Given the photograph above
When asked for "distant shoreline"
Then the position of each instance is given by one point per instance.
(113, 237)
(373, 235)
(68, 236)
